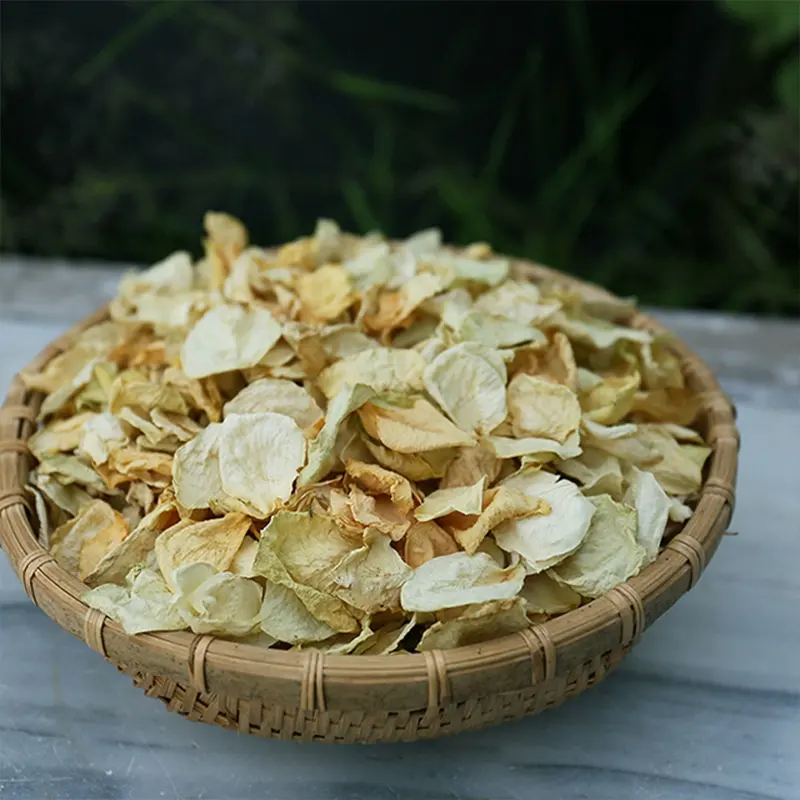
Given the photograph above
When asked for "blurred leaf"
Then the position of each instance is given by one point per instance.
(361, 87)
(787, 85)
(359, 207)
(775, 22)
(153, 14)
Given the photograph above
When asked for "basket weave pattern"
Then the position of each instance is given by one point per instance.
(312, 696)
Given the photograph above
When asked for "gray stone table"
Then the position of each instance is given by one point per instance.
(706, 707)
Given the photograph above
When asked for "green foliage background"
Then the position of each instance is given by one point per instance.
(652, 147)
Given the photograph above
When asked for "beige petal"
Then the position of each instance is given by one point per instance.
(489, 329)
(470, 465)
(285, 617)
(553, 360)
(596, 471)
(343, 341)
(217, 603)
(322, 449)
(130, 463)
(459, 579)
(394, 308)
(465, 499)
(70, 498)
(545, 540)
(596, 333)
(379, 513)
(414, 466)
(99, 436)
(298, 551)
(226, 338)
(543, 595)
(468, 387)
(518, 301)
(476, 624)
(610, 401)
(195, 470)
(383, 369)
(652, 508)
(279, 396)
(144, 604)
(59, 436)
(171, 276)
(132, 388)
(259, 458)
(609, 554)
(71, 469)
(491, 271)
(243, 563)
(500, 504)
(534, 448)
(370, 577)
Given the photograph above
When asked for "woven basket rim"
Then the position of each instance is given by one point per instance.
(251, 662)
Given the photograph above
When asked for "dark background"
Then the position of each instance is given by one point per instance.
(651, 146)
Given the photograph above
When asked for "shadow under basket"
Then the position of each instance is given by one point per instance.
(311, 696)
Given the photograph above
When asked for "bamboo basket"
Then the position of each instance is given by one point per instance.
(310, 696)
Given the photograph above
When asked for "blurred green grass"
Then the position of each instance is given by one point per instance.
(653, 149)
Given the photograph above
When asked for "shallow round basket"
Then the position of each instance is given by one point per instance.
(310, 696)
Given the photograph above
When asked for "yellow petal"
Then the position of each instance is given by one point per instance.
(500, 504)
(59, 436)
(135, 548)
(377, 480)
(541, 408)
(285, 617)
(424, 541)
(325, 293)
(611, 400)
(465, 499)
(414, 429)
(214, 542)
(81, 543)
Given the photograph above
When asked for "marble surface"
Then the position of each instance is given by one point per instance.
(706, 707)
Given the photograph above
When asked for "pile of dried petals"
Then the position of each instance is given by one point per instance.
(357, 445)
